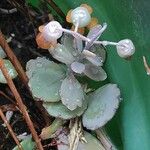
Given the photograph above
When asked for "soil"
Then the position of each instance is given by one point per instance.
(22, 26)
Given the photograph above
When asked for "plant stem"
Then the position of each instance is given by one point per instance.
(10, 129)
(8, 107)
(76, 26)
(78, 35)
(105, 43)
(8, 98)
(147, 68)
(75, 34)
(20, 104)
(20, 71)
(48, 131)
(104, 139)
(56, 8)
(13, 59)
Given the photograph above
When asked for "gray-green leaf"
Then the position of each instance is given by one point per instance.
(93, 35)
(2, 53)
(95, 72)
(61, 111)
(71, 93)
(27, 144)
(45, 82)
(78, 67)
(69, 42)
(99, 51)
(62, 54)
(102, 106)
(93, 58)
(34, 65)
(11, 71)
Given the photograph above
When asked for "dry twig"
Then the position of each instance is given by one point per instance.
(7, 97)
(104, 139)
(147, 68)
(56, 8)
(21, 105)
(13, 59)
(20, 72)
(10, 129)
(8, 107)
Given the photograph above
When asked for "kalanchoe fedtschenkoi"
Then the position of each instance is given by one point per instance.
(57, 85)
(52, 31)
(46, 39)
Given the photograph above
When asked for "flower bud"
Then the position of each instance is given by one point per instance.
(125, 48)
(52, 31)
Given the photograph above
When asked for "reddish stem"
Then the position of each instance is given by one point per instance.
(20, 104)
(56, 8)
(10, 129)
(13, 59)
(20, 72)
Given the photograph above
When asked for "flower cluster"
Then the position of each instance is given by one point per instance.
(80, 17)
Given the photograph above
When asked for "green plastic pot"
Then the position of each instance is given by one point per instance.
(130, 128)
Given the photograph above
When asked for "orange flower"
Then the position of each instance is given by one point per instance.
(89, 8)
(93, 23)
(68, 17)
(41, 42)
(41, 28)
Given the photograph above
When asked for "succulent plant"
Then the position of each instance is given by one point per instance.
(57, 85)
